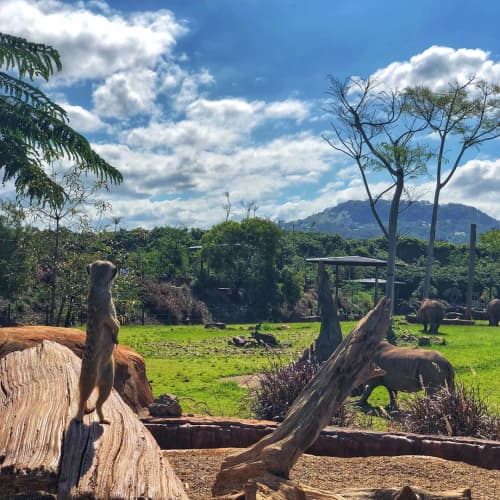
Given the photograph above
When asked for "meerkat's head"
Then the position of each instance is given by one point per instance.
(101, 272)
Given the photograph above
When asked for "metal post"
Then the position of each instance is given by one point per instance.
(470, 276)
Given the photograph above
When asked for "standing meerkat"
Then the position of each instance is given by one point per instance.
(98, 364)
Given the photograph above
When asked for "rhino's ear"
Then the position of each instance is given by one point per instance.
(115, 270)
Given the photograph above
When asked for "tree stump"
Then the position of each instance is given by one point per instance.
(330, 333)
(262, 470)
(44, 451)
(130, 372)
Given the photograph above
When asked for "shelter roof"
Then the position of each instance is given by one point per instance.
(372, 281)
(349, 260)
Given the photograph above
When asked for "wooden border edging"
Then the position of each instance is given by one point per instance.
(220, 432)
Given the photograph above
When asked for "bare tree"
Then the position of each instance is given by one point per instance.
(370, 126)
(116, 221)
(250, 207)
(468, 113)
(227, 205)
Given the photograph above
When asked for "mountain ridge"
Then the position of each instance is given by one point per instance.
(354, 220)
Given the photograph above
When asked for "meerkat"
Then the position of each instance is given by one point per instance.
(98, 365)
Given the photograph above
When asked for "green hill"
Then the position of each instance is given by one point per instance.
(354, 220)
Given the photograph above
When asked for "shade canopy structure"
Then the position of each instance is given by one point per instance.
(352, 261)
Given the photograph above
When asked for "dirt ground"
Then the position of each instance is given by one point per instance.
(197, 470)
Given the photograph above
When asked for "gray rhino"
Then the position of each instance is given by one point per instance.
(431, 312)
(409, 369)
(493, 311)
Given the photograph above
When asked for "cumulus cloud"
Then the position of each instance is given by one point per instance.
(476, 176)
(438, 66)
(91, 44)
(83, 120)
(125, 94)
(214, 124)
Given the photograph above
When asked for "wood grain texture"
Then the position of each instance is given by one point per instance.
(43, 449)
(130, 376)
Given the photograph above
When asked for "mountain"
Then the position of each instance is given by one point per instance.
(354, 220)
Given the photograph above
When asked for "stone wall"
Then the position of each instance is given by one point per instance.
(216, 432)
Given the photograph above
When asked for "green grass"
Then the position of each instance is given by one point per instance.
(189, 361)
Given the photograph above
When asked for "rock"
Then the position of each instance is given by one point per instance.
(130, 375)
(216, 324)
(424, 341)
(166, 405)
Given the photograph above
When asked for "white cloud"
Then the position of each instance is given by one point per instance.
(476, 183)
(125, 94)
(83, 120)
(91, 44)
(438, 66)
(292, 108)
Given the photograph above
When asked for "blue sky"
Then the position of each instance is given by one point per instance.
(191, 99)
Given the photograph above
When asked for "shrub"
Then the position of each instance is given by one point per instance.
(461, 412)
(173, 305)
(280, 385)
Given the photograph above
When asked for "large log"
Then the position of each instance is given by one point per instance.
(43, 450)
(130, 375)
(262, 470)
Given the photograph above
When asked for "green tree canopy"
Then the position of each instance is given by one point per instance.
(34, 130)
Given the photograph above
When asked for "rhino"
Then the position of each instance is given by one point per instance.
(431, 312)
(409, 369)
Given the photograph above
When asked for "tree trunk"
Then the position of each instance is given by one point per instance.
(393, 240)
(430, 245)
(277, 452)
(330, 333)
(46, 452)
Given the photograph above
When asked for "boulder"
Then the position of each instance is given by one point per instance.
(130, 375)
(166, 405)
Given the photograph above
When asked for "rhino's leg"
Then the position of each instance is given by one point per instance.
(425, 326)
(363, 400)
(393, 405)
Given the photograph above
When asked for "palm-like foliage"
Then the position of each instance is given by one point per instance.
(34, 130)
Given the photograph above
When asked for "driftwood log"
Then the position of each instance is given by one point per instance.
(262, 470)
(130, 372)
(44, 451)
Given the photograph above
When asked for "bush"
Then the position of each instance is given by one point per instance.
(173, 305)
(280, 385)
(461, 412)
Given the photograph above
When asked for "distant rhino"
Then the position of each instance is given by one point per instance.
(431, 312)
(493, 311)
(409, 369)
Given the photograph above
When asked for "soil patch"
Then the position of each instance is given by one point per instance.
(246, 381)
(197, 468)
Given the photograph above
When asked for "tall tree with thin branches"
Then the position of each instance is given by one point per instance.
(464, 116)
(34, 130)
(370, 127)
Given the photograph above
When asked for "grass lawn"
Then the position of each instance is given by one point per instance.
(190, 361)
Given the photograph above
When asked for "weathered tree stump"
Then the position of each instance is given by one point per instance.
(262, 470)
(43, 450)
(130, 372)
(330, 333)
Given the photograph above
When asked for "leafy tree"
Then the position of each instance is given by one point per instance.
(70, 209)
(243, 258)
(468, 113)
(14, 253)
(34, 130)
(370, 127)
